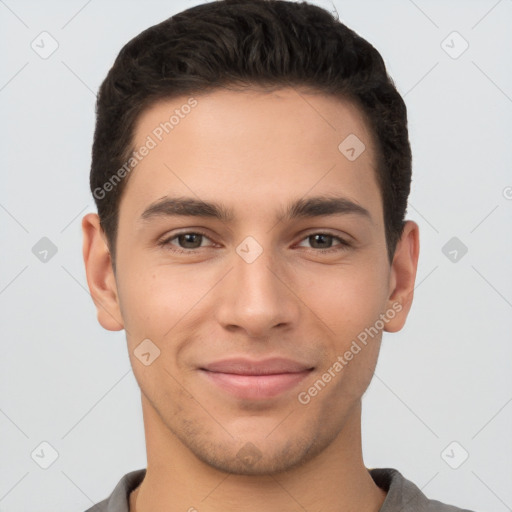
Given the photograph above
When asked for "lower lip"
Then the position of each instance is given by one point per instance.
(255, 387)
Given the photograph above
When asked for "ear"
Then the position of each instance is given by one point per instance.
(100, 274)
(403, 276)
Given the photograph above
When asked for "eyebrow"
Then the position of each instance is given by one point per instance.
(311, 207)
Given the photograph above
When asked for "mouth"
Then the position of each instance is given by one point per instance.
(256, 380)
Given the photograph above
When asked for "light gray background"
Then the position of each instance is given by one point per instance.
(445, 377)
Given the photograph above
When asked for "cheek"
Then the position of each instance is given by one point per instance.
(348, 298)
(156, 299)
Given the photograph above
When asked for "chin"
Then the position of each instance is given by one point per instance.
(255, 458)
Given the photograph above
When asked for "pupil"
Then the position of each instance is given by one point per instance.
(321, 237)
(189, 239)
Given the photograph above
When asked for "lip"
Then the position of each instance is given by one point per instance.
(256, 380)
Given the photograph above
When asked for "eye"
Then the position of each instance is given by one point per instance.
(185, 242)
(323, 242)
(189, 241)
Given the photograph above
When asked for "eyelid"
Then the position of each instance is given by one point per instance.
(166, 240)
(344, 241)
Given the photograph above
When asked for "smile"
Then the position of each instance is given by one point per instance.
(256, 380)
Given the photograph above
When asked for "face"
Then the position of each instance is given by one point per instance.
(251, 254)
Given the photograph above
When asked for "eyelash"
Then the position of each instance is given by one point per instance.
(166, 243)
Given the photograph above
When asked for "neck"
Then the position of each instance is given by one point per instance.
(334, 481)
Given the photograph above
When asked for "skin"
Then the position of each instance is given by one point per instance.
(253, 152)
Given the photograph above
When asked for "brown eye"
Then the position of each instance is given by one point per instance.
(323, 242)
(320, 241)
(190, 240)
(185, 242)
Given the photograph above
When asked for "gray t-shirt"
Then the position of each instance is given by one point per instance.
(402, 494)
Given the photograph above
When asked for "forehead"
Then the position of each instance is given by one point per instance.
(252, 147)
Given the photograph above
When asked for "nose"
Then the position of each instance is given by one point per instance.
(257, 298)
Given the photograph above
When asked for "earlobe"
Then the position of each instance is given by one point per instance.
(403, 276)
(100, 275)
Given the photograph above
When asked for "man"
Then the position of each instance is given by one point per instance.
(251, 169)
